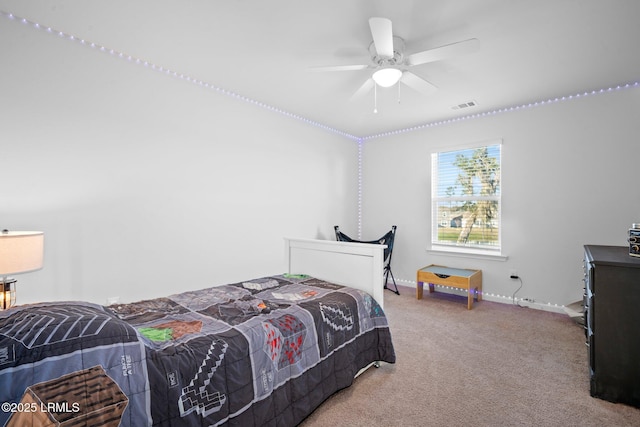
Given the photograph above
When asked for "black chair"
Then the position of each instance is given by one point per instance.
(387, 239)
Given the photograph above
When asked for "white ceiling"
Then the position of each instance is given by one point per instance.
(263, 49)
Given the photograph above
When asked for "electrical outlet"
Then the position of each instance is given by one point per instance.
(113, 300)
(528, 299)
(513, 274)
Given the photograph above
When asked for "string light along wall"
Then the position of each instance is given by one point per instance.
(291, 115)
(526, 106)
(360, 143)
(173, 73)
(359, 140)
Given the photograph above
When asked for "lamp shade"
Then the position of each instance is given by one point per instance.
(387, 77)
(21, 251)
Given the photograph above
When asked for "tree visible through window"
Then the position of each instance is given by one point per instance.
(465, 196)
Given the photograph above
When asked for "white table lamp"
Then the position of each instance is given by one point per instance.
(20, 252)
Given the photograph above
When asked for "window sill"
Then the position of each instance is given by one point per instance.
(466, 253)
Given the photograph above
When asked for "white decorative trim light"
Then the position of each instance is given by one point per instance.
(172, 73)
(622, 86)
(360, 139)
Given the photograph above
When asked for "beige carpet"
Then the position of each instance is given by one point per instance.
(495, 365)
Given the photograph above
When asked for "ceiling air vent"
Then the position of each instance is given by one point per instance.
(464, 105)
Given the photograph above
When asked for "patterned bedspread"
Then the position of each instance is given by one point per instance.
(262, 352)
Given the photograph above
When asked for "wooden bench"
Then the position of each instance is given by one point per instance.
(471, 280)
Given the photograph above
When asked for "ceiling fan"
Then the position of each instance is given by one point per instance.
(391, 64)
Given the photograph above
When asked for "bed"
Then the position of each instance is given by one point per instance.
(264, 351)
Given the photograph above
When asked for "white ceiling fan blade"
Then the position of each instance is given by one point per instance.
(382, 32)
(339, 68)
(454, 49)
(363, 90)
(417, 83)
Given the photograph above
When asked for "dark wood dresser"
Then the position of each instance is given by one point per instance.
(612, 322)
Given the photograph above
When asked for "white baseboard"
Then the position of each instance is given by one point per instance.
(410, 286)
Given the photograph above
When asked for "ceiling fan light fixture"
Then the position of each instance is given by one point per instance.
(387, 77)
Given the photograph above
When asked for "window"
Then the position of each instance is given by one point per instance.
(465, 197)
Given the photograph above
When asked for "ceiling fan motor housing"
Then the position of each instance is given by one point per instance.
(382, 61)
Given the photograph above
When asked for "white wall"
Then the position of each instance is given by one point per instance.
(569, 178)
(146, 185)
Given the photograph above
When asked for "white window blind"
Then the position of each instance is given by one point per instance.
(465, 197)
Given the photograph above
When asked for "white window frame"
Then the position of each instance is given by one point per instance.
(494, 251)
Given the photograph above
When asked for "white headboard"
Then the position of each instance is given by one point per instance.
(357, 265)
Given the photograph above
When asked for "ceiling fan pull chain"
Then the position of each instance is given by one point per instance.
(375, 98)
(399, 92)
